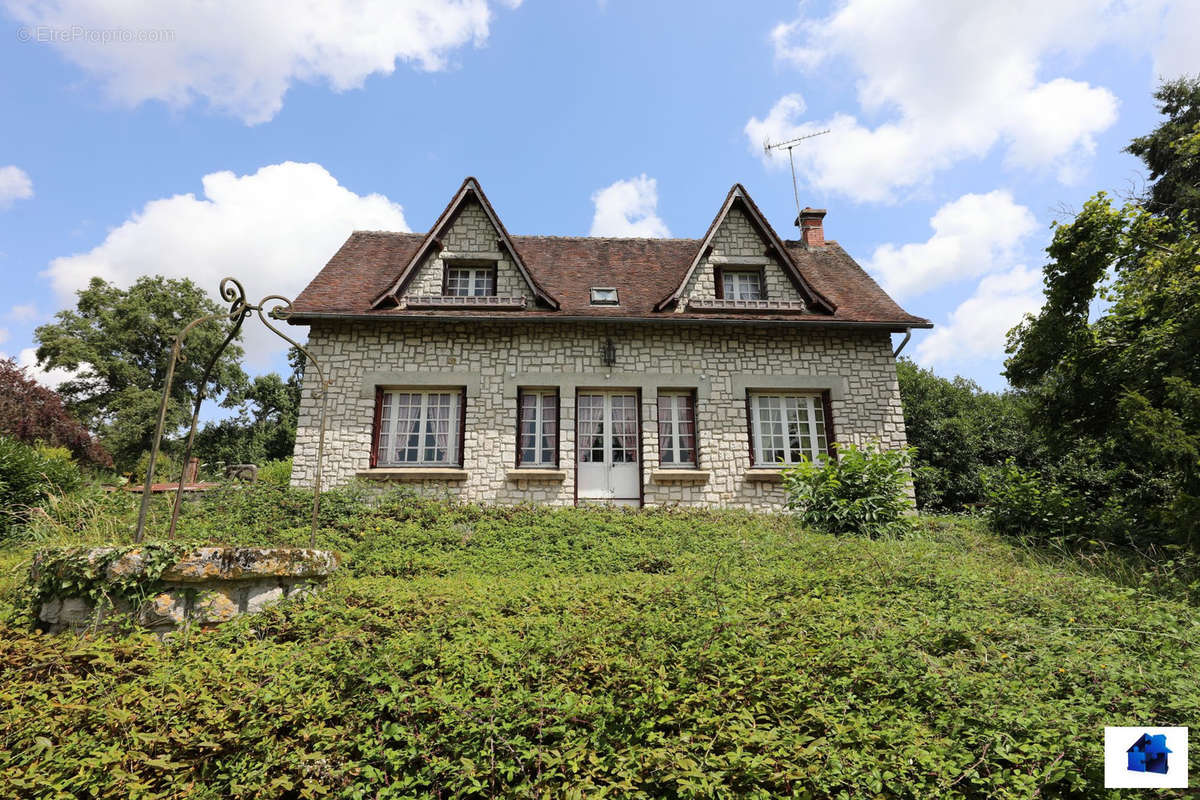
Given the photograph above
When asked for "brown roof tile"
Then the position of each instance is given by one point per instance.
(643, 270)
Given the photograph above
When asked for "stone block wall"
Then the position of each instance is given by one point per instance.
(738, 238)
(206, 587)
(492, 360)
(471, 232)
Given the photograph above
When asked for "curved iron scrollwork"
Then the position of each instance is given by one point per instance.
(239, 311)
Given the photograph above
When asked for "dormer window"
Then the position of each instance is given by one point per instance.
(470, 282)
(604, 296)
(742, 284)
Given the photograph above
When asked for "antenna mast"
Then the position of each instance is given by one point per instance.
(788, 145)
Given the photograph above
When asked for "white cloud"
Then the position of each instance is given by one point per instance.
(22, 313)
(628, 208)
(3, 335)
(973, 235)
(14, 185)
(1175, 53)
(52, 378)
(977, 328)
(243, 55)
(952, 81)
(273, 230)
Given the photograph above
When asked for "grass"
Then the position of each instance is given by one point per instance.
(520, 652)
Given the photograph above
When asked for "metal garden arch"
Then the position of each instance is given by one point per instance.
(280, 309)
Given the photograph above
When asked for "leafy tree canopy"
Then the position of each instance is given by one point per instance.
(957, 429)
(265, 427)
(1172, 151)
(118, 341)
(33, 414)
(1123, 385)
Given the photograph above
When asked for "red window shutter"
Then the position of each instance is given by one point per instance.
(520, 421)
(762, 283)
(719, 282)
(375, 423)
(830, 434)
(462, 424)
(750, 427)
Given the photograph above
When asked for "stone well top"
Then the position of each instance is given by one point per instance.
(206, 564)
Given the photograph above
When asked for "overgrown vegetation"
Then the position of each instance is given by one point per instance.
(862, 491)
(30, 476)
(35, 415)
(516, 652)
(1111, 364)
(959, 431)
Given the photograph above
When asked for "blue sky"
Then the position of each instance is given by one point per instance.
(219, 138)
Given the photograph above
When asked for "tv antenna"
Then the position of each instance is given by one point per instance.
(788, 145)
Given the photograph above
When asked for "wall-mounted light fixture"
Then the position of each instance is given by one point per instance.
(609, 353)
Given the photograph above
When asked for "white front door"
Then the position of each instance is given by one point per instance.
(606, 433)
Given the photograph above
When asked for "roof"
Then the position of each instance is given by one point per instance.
(647, 273)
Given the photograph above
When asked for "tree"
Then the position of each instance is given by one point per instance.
(1114, 387)
(265, 427)
(33, 414)
(958, 431)
(119, 343)
(1172, 151)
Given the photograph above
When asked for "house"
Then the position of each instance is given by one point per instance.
(565, 370)
(1149, 754)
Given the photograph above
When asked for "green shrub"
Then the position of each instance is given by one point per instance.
(1073, 499)
(165, 469)
(1022, 502)
(277, 472)
(29, 475)
(862, 491)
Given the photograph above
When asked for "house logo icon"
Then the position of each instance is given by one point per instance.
(1149, 754)
(1145, 757)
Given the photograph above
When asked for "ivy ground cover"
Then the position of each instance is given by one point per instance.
(471, 652)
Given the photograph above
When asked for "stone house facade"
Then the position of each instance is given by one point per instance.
(563, 370)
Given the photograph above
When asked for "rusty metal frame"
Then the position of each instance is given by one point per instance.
(280, 308)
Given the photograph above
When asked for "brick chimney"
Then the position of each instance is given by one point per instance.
(810, 224)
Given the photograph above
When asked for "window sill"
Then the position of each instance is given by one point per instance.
(413, 474)
(676, 475)
(536, 474)
(765, 475)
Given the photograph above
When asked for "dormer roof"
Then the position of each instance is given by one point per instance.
(367, 276)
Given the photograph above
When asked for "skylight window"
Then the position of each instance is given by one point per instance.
(604, 297)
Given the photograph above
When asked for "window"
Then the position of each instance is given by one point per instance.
(677, 429)
(787, 428)
(742, 284)
(604, 297)
(537, 428)
(419, 428)
(470, 282)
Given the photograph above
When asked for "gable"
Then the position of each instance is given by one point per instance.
(469, 233)
(752, 243)
(737, 244)
(467, 221)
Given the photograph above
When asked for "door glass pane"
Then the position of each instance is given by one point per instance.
(591, 428)
(624, 429)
